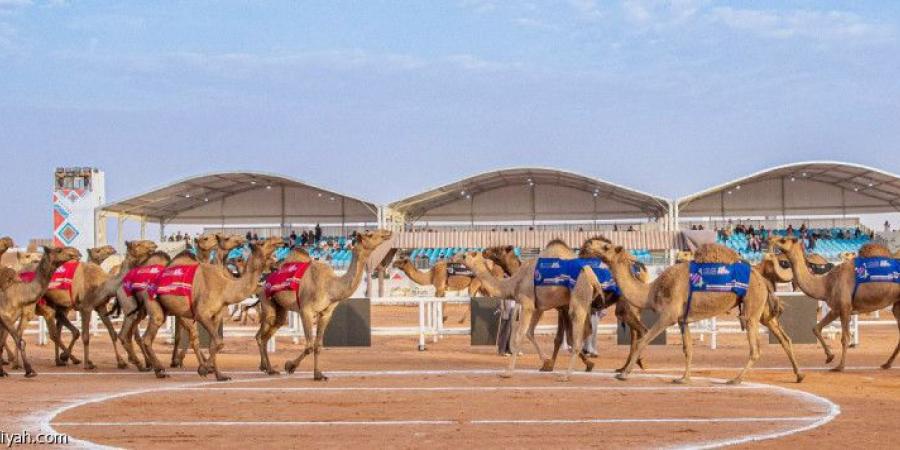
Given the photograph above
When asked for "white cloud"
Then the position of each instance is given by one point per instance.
(827, 25)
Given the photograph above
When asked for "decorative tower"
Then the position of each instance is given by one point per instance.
(77, 192)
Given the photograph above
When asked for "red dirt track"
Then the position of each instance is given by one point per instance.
(188, 410)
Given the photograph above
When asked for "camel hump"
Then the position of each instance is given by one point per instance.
(872, 250)
(557, 248)
(716, 253)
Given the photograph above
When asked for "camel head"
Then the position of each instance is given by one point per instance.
(139, 250)
(6, 243)
(591, 246)
(60, 255)
(470, 259)
(229, 241)
(207, 242)
(684, 256)
(28, 258)
(498, 254)
(786, 244)
(610, 254)
(99, 254)
(370, 240)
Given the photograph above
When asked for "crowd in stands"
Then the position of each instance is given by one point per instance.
(830, 242)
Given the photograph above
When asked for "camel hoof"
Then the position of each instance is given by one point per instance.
(734, 381)
(223, 378)
(319, 376)
(682, 380)
(272, 372)
(30, 374)
(122, 365)
(547, 366)
(161, 373)
(89, 365)
(507, 374)
(144, 369)
(589, 366)
(886, 366)
(203, 371)
(290, 367)
(64, 357)
(621, 376)
(74, 360)
(800, 377)
(837, 369)
(829, 358)
(3, 374)
(61, 363)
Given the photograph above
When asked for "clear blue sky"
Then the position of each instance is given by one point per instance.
(381, 99)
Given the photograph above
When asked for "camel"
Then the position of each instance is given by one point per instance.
(505, 257)
(16, 295)
(839, 291)
(225, 244)
(669, 293)
(211, 291)
(439, 277)
(317, 295)
(534, 300)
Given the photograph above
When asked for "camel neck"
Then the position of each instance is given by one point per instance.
(634, 290)
(417, 276)
(42, 274)
(239, 288)
(811, 285)
(496, 287)
(344, 286)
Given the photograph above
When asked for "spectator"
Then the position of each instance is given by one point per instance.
(630, 228)
(293, 238)
(751, 231)
(857, 232)
(763, 233)
(700, 227)
(255, 237)
(790, 230)
(887, 226)
(694, 227)
(248, 236)
(754, 244)
(812, 242)
(318, 233)
(178, 236)
(803, 228)
(615, 227)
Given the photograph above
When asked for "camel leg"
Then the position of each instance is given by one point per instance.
(753, 338)
(306, 318)
(775, 328)
(193, 341)
(271, 318)
(636, 330)
(529, 333)
(156, 318)
(578, 317)
(890, 360)
(62, 320)
(658, 328)
(9, 326)
(518, 332)
(130, 318)
(817, 330)
(561, 331)
(845, 337)
(86, 313)
(113, 336)
(324, 319)
(687, 345)
(2, 345)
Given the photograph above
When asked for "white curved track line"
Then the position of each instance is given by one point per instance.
(468, 388)
(832, 409)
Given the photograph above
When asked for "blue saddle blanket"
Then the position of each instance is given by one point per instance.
(564, 272)
(717, 277)
(877, 270)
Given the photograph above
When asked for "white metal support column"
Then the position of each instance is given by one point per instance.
(143, 227)
(120, 225)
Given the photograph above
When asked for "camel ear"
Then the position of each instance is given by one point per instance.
(619, 249)
(509, 248)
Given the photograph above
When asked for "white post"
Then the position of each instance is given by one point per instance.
(713, 341)
(296, 325)
(435, 320)
(854, 329)
(143, 227)
(270, 346)
(42, 331)
(421, 325)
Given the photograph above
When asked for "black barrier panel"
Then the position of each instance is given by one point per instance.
(798, 319)
(185, 342)
(648, 318)
(351, 324)
(485, 320)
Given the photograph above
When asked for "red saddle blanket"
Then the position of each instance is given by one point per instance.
(286, 278)
(61, 280)
(144, 278)
(177, 280)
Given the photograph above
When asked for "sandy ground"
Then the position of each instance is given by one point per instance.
(363, 409)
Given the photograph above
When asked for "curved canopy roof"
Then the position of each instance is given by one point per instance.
(530, 194)
(805, 188)
(229, 198)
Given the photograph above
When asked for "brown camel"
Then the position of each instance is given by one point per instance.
(92, 288)
(775, 269)
(225, 244)
(505, 257)
(837, 288)
(439, 277)
(319, 292)
(16, 295)
(534, 300)
(668, 294)
(211, 291)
